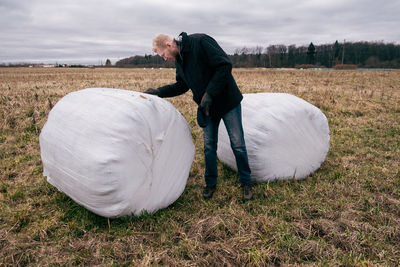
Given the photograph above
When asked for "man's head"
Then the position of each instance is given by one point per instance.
(165, 46)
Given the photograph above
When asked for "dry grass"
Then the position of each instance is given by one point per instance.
(347, 213)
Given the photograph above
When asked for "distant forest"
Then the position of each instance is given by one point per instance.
(359, 54)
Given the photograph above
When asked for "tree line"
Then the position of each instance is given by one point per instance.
(361, 54)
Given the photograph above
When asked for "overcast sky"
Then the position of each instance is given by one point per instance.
(90, 31)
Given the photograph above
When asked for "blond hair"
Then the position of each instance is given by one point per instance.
(160, 41)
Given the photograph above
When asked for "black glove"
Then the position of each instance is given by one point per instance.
(152, 91)
(205, 103)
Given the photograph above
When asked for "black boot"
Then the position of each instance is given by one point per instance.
(208, 192)
(247, 193)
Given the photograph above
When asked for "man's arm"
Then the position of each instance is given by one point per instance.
(217, 59)
(174, 89)
(170, 90)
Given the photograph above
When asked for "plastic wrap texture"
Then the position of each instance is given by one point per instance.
(286, 137)
(117, 152)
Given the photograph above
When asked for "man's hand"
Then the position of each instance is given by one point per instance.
(205, 103)
(152, 91)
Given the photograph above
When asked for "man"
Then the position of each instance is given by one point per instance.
(204, 67)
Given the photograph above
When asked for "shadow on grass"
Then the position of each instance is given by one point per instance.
(73, 212)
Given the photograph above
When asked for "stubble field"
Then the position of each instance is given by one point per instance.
(347, 213)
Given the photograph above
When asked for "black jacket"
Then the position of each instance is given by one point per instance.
(204, 67)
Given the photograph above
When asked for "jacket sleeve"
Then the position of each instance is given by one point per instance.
(219, 61)
(174, 89)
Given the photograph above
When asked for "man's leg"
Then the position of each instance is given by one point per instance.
(210, 133)
(233, 124)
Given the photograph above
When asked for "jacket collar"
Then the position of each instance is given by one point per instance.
(184, 45)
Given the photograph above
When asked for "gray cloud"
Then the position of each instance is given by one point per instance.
(88, 31)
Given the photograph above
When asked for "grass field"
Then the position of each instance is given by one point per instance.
(346, 213)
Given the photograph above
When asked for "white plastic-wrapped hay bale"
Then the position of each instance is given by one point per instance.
(285, 137)
(117, 152)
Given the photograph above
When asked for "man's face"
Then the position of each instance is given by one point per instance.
(169, 52)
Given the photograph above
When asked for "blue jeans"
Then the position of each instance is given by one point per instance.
(233, 124)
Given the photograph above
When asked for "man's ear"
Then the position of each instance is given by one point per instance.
(168, 44)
